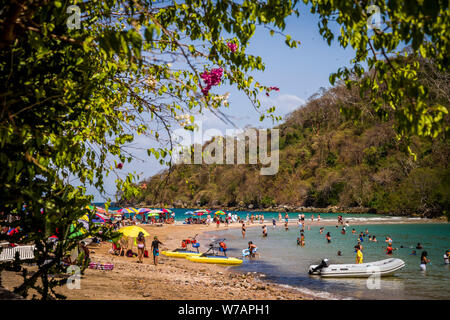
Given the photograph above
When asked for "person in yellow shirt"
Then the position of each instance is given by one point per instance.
(359, 255)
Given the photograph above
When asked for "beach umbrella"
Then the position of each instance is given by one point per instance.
(220, 212)
(153, 214)
(99, 218)
(84, 223)
(203, 211)
(144, 210)
(189, 213)
(128, 210)
(199, 213)
(166, 210)
(133, 231)
(113, 214)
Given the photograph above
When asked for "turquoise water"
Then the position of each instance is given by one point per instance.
(284, 262)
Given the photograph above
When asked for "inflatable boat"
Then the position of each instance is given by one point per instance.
(363, 270)
(180, 253)
(215, 260)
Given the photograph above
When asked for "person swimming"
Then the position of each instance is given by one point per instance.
(413, 253)
(446, 257)
(419, 246)
(321, 230)
(339, 253)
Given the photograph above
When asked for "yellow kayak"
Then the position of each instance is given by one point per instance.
(180, 254)
(215, 259)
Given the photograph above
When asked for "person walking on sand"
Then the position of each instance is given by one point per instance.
(141, 246)
(155, 249)
(243, 230)
(423, 261)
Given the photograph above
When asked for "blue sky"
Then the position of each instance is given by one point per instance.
(298, 72)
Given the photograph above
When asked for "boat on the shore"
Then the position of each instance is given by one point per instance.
(215, 259)
(381, 268)
(180, 253)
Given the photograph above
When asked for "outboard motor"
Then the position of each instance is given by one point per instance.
(322, 265)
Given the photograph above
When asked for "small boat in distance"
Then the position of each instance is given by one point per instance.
(382, 268)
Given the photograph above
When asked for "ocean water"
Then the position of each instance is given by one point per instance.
(283, 262)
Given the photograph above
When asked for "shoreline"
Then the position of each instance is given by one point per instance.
(181, 279)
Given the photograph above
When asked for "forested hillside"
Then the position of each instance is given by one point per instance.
(328, 159)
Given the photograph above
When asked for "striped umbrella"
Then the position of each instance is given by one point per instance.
(204, 211)
(220, 212)
(128, 210)
(144, 210)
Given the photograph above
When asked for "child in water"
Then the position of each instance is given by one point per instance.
(328, 236)
(302, 239)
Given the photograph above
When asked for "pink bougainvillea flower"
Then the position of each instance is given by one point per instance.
(211, 78)
(275, 88)
(232, 46)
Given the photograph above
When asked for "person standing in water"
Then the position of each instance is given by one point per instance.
(389, 250)
(446, 257)
(243, 230)
(302, 239)
(328, 237)
(279, 216)
(318, 218)
(423, 261)
(359, 255)
(312, 218)
(274, 223)
(264, 231)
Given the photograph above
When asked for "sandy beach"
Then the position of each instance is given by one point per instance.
(177, 279)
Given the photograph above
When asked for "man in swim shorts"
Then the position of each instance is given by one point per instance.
(155, 249)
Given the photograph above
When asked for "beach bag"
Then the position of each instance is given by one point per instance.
(129, 253)
(145, 254)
